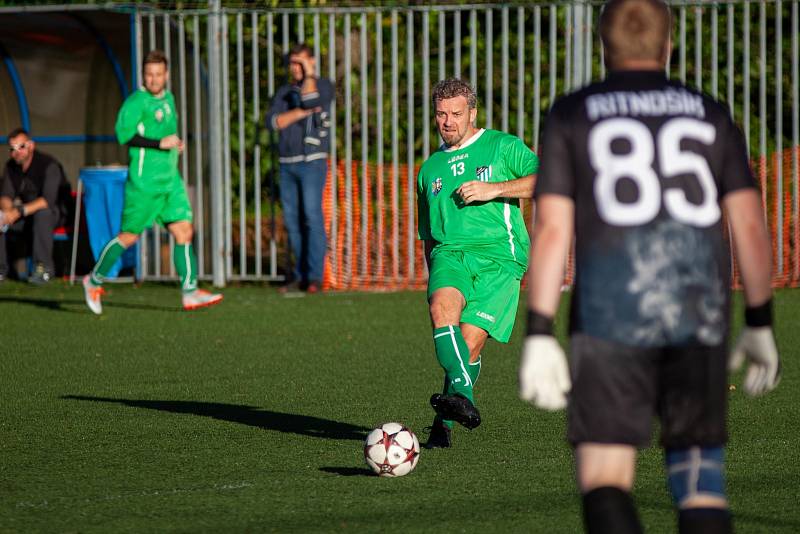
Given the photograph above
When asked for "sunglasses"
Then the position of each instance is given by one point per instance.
(18, 146)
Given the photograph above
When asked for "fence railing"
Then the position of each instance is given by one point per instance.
(227, 62)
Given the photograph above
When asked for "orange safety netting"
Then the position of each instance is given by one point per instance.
(372, 229)
(372, 226)
(781, 207)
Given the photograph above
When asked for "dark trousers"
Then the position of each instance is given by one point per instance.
(32, 236)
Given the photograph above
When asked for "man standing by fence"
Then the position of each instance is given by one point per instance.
(155, 191)
(300, 112)
(476, 245)
(639, 167)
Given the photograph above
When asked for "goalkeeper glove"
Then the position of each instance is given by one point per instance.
(757, 344)
(543, 373)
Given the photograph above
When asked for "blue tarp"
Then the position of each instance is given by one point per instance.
(103, 197)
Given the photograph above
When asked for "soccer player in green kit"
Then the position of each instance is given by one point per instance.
(476, 245)
(148, 124)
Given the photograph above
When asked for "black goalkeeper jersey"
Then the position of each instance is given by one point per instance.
(646, 161)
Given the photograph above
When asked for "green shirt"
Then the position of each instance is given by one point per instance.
(494, 229)
(153, 117)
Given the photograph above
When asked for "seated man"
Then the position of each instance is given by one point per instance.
(32, 190)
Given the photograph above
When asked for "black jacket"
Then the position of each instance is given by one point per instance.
(44, 178)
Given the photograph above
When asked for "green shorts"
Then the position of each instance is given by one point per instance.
(143, 208)
(490, 290)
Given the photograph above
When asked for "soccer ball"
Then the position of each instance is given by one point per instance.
(391, 450)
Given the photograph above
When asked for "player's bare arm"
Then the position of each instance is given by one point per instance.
(751, 243)
(477, 191)
(543, 372)
(171, 141)
(552, 237)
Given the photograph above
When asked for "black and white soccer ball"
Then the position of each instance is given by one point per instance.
(391, 450)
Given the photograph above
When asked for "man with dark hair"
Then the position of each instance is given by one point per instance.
(300, 112)
(476, 246)
(148, 124)
(33, 196)
(639, 168)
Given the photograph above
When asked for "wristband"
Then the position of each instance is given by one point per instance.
(757, 316)
(21, 210)
(539, 325)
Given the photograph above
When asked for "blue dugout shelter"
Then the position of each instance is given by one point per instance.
(64, 74)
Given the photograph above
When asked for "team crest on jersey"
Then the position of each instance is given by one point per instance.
(159, 115)
(436, 186)
(483, 173)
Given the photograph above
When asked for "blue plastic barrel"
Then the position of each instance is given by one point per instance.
(103, 198)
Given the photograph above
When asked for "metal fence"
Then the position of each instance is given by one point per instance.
(227, 62)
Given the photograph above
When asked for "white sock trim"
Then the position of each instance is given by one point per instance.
(452, 332)
(186, 285)
(108, 246)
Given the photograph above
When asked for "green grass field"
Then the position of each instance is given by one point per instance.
(250, 417)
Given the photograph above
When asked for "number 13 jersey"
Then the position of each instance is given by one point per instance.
(494, 229)
(646, 161)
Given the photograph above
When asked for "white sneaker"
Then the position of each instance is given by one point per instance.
(92, 293)
(200, 298)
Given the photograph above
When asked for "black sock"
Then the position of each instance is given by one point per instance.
(704, 521)
(610, 510)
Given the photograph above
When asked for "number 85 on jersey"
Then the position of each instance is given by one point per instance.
(639, 165)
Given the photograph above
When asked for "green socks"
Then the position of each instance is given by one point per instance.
(183, 256)
(453, 355)
(474, 371)
(108, 257)
(185, 266)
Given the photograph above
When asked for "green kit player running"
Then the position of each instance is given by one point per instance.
(476, 245)
(148, 124)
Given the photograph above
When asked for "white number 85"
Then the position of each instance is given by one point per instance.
(637, 165)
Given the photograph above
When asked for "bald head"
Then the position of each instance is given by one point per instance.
(636, 33)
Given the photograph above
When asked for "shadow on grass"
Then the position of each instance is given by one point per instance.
(49, 304)
(304, 425)
(79, 306)
(349, 471)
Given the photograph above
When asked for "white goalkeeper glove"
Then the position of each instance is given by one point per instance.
(757, 345)
(544, 373)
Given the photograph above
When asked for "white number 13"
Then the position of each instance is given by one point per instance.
(637, 165)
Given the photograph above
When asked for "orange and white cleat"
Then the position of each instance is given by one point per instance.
(200, 298)
(92, 293)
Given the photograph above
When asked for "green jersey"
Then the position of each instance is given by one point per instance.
(152, 117)
(494, 229)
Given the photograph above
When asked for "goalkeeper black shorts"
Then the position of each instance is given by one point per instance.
(618, 391)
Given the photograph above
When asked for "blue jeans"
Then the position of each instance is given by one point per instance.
(301, 197)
